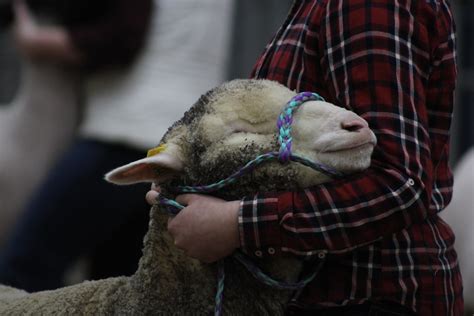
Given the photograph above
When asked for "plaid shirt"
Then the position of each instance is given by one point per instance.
(393, 63)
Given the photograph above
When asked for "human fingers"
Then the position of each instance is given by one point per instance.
(151, 197)
(155, 187)
(186, 199)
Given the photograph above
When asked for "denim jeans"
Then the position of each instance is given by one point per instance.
(76, 213)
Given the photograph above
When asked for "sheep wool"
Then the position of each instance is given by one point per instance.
(228, 126)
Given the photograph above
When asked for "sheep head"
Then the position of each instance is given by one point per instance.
(234, 123)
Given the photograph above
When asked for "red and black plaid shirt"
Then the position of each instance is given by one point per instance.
(393, 63)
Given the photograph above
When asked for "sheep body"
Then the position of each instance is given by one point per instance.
(226, 128)
(166, 283)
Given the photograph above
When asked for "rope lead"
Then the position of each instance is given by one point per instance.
(284, 155)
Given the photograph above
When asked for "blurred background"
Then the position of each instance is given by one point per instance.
(81, 84)
(243, 56)
(462, 129)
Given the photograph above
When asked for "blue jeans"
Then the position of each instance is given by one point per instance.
(76, 213)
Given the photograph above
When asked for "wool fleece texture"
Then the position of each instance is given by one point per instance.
(228, 126)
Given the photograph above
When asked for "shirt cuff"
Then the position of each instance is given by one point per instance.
(259, 225)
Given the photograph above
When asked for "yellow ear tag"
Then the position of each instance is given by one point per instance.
(156, 150)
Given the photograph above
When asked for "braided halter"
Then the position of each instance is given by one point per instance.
(284, 155)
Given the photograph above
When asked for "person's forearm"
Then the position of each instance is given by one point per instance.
(41, 42)
(392, 92)
(54, 44)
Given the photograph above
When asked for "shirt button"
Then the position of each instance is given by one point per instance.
(271, 251)
(321, 255)
(258, 253)
(411, 182)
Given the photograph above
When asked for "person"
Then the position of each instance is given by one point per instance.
(41, 119)
(386, 250)
(92, 38)
(76, 212)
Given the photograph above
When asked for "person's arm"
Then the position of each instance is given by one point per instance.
(379, 62)
(43, 42)
(206, 229)
(113, 40)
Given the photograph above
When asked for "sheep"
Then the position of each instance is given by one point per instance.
(228, 126)
(35, 129)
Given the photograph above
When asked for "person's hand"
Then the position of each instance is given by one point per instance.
(207, 228)
(152, 195)
(26, 30)
(38, 42)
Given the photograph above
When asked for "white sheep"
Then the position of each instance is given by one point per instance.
(35, 129)
(227, 127)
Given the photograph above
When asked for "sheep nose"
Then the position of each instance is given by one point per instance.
(354, 125)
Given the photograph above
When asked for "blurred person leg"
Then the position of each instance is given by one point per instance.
(73, 212)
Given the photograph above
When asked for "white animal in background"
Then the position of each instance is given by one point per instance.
(226, 128)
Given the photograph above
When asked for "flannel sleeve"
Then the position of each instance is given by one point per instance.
(378, 62)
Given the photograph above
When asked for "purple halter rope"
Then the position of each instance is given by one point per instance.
(286, 119)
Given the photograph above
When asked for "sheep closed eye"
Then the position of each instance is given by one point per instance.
(243, 126)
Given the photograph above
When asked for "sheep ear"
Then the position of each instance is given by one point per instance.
(157, 168)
